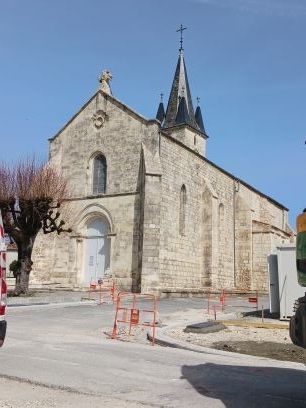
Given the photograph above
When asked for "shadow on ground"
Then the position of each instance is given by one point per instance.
(240, 386)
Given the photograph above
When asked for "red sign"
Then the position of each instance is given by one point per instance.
(253, 299)
(134, 316)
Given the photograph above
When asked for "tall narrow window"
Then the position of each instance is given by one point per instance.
(221, 213)
(99, 175)
(182, 218)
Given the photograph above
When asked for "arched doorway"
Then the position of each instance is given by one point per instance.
(97, 250)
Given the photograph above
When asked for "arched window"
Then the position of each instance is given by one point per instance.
(99, 175)
(183, 199)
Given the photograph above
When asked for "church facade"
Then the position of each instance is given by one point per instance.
(147, 206)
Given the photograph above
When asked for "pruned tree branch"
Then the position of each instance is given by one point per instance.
(30, 192)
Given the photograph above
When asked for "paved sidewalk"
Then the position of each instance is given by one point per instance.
(47, 297)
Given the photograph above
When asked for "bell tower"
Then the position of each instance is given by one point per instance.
(179, 119)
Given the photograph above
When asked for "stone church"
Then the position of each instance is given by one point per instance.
(147, 206)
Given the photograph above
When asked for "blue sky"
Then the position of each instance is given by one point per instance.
(245, 59)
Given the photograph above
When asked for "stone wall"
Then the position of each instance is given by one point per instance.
(219, 208)
(120, 140)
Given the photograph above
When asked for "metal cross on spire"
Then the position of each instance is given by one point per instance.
(181, 29)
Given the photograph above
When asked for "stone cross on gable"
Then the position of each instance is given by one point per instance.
(104, 79)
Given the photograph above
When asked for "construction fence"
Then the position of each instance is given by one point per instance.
(102, 290)
(135, 309)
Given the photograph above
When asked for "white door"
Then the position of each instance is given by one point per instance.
(96, 258)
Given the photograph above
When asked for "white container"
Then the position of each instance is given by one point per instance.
(283, 276)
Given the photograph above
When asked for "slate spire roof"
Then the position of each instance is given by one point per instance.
(180, 91)
(160, 115)
(180, 108)
(199, 119)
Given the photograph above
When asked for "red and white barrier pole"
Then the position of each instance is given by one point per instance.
(3, 287)
(222, 300)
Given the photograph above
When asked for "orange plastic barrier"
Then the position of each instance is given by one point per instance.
(222, 299)
(254, 300)
(135, 309)
(102, 290)
(217, 299)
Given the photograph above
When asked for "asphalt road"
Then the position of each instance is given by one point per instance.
(64, 349)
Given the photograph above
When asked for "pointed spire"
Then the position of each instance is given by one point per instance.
(198, 117)
(160, 115)
(180, 88)
(182, 115)
(180, 108)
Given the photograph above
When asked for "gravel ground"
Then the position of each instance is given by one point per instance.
(232, 334)
(242, 334)
(246, 338)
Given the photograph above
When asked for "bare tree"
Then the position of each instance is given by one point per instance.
(31, 194)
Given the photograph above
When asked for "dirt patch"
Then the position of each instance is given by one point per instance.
(277, 351)
(247, 334)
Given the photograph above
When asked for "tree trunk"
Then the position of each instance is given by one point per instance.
(25, 248)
